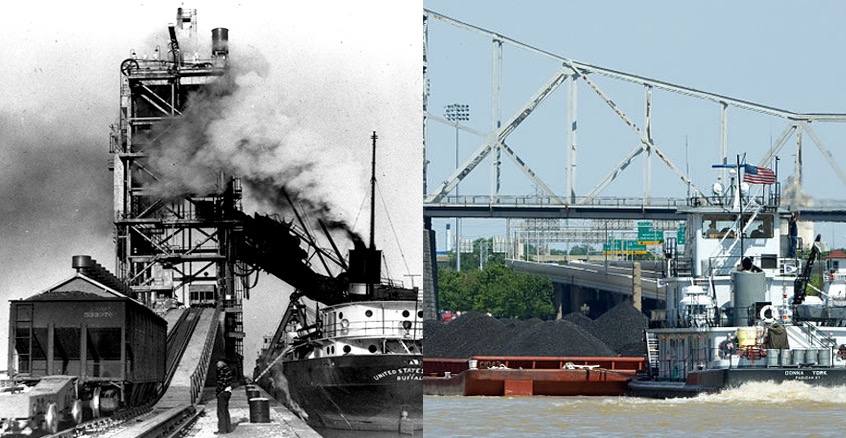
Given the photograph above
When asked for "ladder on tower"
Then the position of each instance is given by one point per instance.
(723, 255)
(652, 352)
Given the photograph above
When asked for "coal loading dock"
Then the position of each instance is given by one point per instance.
(118, 353)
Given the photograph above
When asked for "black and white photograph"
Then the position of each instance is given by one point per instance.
(212, 219)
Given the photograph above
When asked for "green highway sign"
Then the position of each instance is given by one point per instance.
(618, 246)
(650, 237)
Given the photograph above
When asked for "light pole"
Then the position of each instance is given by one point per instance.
(457, 112)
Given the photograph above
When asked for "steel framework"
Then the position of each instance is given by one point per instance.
(568, 74)
(167, 248)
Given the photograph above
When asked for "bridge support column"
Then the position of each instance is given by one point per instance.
(560, 291)
(568, 298)
(637, 291)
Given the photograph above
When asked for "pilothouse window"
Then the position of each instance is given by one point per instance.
(719, 226)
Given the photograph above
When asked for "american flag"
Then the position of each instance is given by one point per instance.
(758, 175)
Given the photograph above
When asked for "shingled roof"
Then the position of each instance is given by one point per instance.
(77, 287)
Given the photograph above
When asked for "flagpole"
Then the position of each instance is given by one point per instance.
(777, 185)
(740, 203)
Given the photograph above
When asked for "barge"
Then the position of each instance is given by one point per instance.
(528, 376)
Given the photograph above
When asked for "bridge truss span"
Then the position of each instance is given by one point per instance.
(595, 99)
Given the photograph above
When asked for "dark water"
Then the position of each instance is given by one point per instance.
(755, 410)
(336, 433)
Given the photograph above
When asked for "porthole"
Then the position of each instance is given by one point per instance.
(420, 314)
(405, 313)
(368, 313)
(341, 315)
(347, 349)
(371, 348)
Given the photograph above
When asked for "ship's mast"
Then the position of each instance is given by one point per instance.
(373, 195)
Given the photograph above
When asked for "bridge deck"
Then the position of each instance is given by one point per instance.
(617, 279)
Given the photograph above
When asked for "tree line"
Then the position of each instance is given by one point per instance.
(495, 288)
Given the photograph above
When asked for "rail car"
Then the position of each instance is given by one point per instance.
(40, 406)
(111, 347)
(202, 295)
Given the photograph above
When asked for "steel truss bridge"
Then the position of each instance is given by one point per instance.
(441, 200)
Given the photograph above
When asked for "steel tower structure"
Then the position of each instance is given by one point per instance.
(173, 247)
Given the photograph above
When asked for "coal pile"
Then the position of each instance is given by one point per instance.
(471, 334)
(581, 320)
(520, 324)
(555, 338)
(620, 327)
(618, 331)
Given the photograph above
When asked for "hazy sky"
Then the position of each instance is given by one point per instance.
(783, 54)
(333, 71)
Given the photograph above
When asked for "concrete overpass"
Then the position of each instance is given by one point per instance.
(582, 282)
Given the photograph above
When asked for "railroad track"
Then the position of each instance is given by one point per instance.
(146, 422)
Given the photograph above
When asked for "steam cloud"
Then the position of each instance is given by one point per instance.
(793, 196)
(251, 125)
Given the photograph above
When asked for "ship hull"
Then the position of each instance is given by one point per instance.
(359, 392)
(715, 380)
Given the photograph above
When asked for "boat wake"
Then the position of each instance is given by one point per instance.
(762, 392)
(785, 392)
(758, 392)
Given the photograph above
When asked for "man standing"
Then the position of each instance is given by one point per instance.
(223, 392)
(793, 234)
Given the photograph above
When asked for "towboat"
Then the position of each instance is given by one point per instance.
(738, 307)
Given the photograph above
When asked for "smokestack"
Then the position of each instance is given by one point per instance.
(81, 262)
(220, 44)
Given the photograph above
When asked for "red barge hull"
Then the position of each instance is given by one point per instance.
(526, 376)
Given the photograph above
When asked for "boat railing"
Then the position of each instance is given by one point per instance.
(771, 199)
(815, 337)
(672, 369)
(725, 264)
(719, 265)
(681, 267)
(396, 328)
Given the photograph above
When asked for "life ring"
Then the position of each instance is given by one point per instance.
(773, 314)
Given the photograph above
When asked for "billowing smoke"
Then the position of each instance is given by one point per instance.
(251, 125)
(793, 197)
(280, 198)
